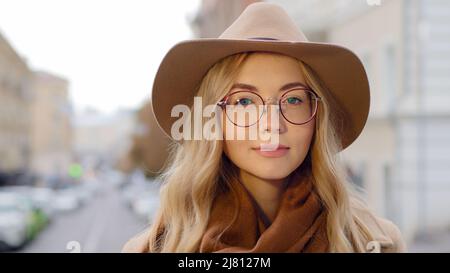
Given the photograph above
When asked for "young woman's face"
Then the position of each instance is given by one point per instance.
(268, 73)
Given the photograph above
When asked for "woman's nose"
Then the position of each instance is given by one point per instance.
(271, 120)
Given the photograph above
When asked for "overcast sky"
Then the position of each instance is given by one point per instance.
(109, 50)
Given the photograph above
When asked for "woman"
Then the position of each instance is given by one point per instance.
(248, 195)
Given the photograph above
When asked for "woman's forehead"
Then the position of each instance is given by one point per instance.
(285, 87)
(269, 71)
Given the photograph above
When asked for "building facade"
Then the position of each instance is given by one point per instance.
(150, 146)
(214, 16)
(15, 105)
(52, 133)
(102, 138)
(35, 121)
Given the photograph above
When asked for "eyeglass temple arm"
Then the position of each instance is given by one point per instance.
(222, 103)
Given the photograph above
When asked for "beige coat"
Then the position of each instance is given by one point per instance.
(388, 238)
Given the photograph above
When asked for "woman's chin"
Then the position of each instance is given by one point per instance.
(272, 172)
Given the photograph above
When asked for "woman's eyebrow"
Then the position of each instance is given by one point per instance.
(283, 88)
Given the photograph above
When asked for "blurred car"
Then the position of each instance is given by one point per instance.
(88, 189)
(146, 204)
(131, 191)
(113, 177)
(67, 200)
(20, 220)
(136, 186)
(42, 197)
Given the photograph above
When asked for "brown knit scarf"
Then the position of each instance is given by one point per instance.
(300, 224)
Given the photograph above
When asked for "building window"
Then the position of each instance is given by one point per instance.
(389, 202)
(367, 62)
(389, 76)
(356, 173)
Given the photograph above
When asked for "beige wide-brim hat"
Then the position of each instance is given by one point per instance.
(263, 27)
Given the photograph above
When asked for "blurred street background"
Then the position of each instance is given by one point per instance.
(80, 152)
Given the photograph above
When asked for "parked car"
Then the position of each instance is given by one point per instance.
(42, 197)
(67, 200)
(146, 205)
(131, 191)
(88, 189)
(113, 177)
(20, 220)
(137, 185)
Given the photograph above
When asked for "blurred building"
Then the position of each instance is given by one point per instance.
(15, 104)
(214, 16)
(401, 158)
(149, 149)
(102, 138)
(52, 132)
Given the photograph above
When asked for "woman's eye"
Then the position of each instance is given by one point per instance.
(244, 101)
(293, 100)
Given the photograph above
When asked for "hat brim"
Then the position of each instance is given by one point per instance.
(185, 65)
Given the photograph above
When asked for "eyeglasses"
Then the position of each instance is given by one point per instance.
(245, 108)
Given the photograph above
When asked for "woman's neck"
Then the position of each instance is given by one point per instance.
(267, 193)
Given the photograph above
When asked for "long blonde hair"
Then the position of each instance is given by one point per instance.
(198, 171)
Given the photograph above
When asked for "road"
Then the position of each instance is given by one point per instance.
(103, 225)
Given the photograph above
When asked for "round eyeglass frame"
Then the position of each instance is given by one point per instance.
(223, 103)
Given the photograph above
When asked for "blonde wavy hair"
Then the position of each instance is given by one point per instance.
(199, 170)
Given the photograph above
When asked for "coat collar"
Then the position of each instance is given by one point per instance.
(381, 241)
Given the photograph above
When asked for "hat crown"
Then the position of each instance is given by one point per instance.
(264, 21)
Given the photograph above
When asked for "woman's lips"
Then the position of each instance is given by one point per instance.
(272, 151)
